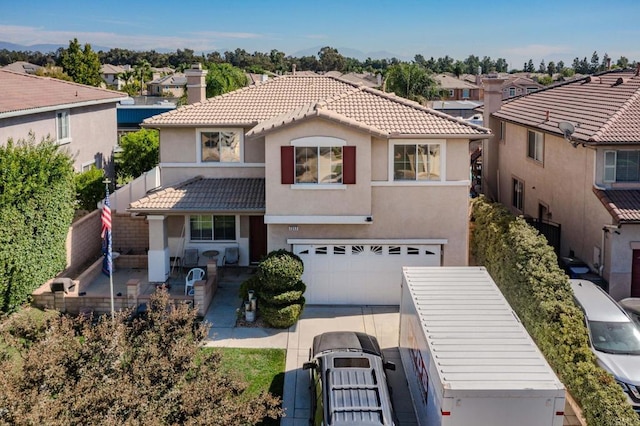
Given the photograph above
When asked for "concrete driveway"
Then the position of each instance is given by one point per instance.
(379, 321)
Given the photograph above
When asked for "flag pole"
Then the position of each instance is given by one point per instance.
(109, 251)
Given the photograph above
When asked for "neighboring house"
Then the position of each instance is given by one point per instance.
(585, 178)
(22, 67)
(172, 85)
(355, 181)
(111, 74)
(373, 81)
(515, 85)
(131, 113)
(455, 89)
(81, 119)
(463, 109)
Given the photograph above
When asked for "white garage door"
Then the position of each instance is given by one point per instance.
(360, 274)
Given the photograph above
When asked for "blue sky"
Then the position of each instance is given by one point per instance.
(515, 30)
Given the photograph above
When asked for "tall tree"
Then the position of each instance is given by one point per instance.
(82, 65)
(330, 59)
(595, 63)
(542, 68)
(530, 67)
(140, 153)
(551, 68)
(623, 62)
(223, 78)
(411, 81)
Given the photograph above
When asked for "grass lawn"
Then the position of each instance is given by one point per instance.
(261, 369)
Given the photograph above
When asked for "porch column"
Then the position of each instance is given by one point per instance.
(159, 263)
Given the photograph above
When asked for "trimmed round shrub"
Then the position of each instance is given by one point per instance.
(280, 272)
(252, 283)
(282, 317)
(281, 298)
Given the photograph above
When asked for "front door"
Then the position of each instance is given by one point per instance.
(257, 238)
(635, 274)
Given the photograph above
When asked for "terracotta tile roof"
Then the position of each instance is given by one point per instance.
(22, 67)
(622, 204)
(449, 82)
(285, 99)
(23, 93)
(112, 69)
(603, 108)
(205, 194)
(523, 82)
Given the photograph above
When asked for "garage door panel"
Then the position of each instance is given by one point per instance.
(360, 273)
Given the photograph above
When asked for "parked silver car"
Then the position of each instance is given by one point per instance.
(615, 338)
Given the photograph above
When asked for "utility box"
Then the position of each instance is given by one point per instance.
(467, 357)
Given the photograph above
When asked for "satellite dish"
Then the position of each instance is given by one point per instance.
(567, 129)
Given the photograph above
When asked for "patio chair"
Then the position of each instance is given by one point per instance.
(190, 258)
(231, 257)
(195, 274)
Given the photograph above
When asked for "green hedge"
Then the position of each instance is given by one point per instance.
(526, 270)
(37, 196)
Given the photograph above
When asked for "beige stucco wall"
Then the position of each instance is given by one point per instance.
(93, 131)
(564, 183)
(178, 158)
(347, 200)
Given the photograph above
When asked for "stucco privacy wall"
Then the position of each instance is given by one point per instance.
(83, 243)
(130, 233)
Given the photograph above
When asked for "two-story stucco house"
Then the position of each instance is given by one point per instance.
(570, 153)
(355, 181)
(81, 119)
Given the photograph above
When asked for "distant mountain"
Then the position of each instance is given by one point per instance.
(312, 51)
(351, 53)
(44, 48)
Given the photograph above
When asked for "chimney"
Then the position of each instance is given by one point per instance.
(608, 63)
(264, 78)
(492, 103)
(379, 80)
(196, 85)
(293, 69)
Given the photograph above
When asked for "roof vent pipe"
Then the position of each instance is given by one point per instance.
(293, 69)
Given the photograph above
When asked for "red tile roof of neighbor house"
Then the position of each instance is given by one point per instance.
(604, 108)
(622, 204)
(287, 99)
(22, 94)
(206, 194)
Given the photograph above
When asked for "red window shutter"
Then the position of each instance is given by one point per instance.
(349, 165)
(287, 164)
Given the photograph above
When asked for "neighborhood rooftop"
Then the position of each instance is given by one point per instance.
(286, 99)
(604, 108)
(23, 93)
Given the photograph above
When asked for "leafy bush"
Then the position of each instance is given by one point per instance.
(150, 370)
(37, 197)
(280, 271)
(282, 317)
(526, 270)
(140, 153)
(89, 188)
(278, 287)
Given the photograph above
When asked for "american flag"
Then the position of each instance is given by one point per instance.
(107, 263)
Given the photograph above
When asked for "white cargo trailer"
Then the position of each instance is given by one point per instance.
(467, 357)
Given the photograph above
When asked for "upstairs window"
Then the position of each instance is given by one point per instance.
(512, 91)
(420, 162)
(220, 146)
(318, 164)
(319, 160)
(622, 166)
(63, 133)
(535, 146)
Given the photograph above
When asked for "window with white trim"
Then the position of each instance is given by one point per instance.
(418, 162)
(512, 91)
(318, 164)
(535, 146)
(517, 194)
(452, 93)
(63, 131)
(622, 166)
(220, 146)
(208, 227)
